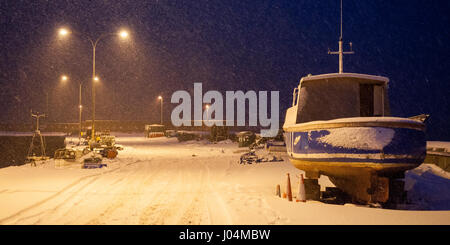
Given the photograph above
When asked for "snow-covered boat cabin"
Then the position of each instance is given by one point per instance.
(340, 95)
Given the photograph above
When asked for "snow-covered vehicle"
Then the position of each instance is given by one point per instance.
(246, 138)
(93, 162)
(107, 140)
(171, 133)
(109, 152)
(251, 157)
(154, 130)
(188, 135)
(339, 125)
(65, 154)
(106, 151)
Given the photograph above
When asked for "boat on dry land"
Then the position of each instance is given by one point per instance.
(339, 125)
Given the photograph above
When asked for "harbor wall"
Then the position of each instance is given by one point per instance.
(14, 148)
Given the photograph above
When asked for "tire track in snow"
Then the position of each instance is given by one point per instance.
(194, 213)
(124, 199)
(85, 197)
(214, 202)
(88, 197)
(159, 209)
(42, 213)
(181, 200)
(193, 205)
(64, 190)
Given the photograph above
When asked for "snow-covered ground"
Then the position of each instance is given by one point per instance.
(161, 181)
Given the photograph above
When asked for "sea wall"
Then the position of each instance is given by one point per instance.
(14, 148)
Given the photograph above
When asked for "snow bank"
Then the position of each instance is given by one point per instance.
(359, 138)
(428, 187)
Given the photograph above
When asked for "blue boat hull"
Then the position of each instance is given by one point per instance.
(406, 146)
(357, 157)
(384, 150)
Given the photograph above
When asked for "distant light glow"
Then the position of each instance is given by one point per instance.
(96, 79)
(64, 78)
(63, 32)
(160, 97)
(123, 34)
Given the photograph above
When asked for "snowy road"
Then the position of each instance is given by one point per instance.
(161, 181)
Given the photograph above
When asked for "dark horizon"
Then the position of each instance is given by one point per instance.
(226, 45)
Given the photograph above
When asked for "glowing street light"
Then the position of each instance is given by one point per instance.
(63, 79)
(63, 32)
(122, 34)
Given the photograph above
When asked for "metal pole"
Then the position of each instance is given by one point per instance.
(80, 107)
(46, 109)
(161, 111)
(341, 49)
(93, 92)
(341, 57)
(37, 123)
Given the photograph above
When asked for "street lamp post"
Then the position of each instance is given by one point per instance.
(46, 106)
(63, 79)
(79, 115)
(161, 98)
(123, 34)
(207, 113)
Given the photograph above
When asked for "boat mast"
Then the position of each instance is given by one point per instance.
(341, 49)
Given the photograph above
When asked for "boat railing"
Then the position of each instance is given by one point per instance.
(294, 97)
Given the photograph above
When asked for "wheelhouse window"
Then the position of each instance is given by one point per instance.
(340, 97)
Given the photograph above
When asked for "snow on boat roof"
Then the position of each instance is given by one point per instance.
(344, 75)
(362, 120)
(375, 119)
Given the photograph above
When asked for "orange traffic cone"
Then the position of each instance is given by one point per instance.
(301, 197)
(288, 188)
(278, 191)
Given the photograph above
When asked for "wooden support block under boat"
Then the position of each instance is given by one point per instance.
(312, 189)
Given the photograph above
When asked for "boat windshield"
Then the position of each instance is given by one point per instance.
(341, 97)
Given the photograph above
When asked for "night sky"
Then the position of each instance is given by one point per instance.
(226, 45)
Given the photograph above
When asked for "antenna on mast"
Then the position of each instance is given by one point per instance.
(341, 51)
(340, 38)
